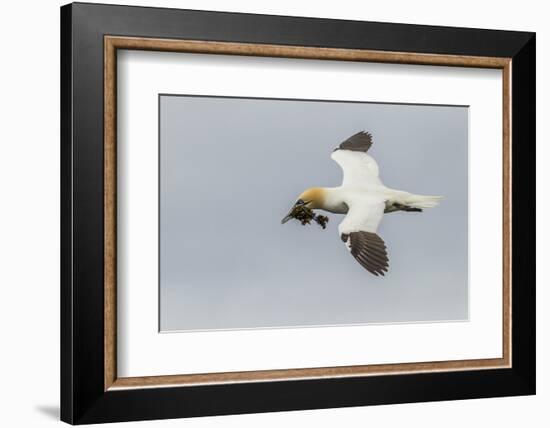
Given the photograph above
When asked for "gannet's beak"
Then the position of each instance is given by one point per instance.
(286, 218)
(289, 215)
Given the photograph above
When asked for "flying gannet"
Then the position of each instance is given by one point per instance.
(364, 199)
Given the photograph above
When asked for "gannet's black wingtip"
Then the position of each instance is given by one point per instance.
(359, 142)
(369, 250)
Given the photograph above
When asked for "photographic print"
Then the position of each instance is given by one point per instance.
(281, 213)
(297, 199)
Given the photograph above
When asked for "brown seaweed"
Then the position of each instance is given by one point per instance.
(305, 215)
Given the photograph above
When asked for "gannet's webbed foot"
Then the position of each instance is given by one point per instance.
(401, 207)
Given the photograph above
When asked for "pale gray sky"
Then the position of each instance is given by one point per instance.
(230, 170)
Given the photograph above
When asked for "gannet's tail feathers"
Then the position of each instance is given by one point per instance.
(422, 201)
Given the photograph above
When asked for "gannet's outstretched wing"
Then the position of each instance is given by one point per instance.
(359, 168)
(358, 232)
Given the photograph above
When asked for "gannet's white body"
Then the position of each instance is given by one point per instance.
(365, 199)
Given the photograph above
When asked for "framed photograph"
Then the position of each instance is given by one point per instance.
(265, 213)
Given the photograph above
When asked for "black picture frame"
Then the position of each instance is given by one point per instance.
(83, 398)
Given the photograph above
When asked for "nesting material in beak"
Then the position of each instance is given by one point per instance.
(304, 215)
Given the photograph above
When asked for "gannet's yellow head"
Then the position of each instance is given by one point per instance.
(311, 198)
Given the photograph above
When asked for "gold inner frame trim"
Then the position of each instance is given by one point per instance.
(113, 43)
